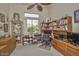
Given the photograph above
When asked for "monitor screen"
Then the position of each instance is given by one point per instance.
(74, 37)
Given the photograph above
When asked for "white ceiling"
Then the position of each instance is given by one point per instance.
(27, 4)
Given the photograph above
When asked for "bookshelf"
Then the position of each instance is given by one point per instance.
(59, 36)
(46, 27)
(63, 24)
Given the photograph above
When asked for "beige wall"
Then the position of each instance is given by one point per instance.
(9, 9)
(3, 9)
(53, 11)
(58, 10)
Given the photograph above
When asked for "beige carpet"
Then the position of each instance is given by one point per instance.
(34, 50)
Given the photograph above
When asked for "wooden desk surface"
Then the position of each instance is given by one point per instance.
(66, 48)
(3, 46)
(69, 44)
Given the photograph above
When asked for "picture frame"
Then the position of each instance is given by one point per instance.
(1, 27)
(2, 17)
(76, 16)
(16, 16)
(5, 27)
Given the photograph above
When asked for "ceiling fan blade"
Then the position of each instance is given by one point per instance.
(39, 7)
(45, 3)
(31, 6)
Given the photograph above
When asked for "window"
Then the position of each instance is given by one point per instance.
(32, 22)
(31, 15)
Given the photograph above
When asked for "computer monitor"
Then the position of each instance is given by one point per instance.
(73, 37)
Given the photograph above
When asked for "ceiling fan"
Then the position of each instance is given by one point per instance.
(38, 5)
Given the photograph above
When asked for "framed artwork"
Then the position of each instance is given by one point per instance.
(76, 16)
(5, 27)
(2, 18)
(1, 27)
(16, 16)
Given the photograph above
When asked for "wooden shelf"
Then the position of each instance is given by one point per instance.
(46, 22)
(63, 25)
(60, 30)
(67, 26)
(64, 47)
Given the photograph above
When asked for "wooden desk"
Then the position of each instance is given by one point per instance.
(2, 47)
(10, 43)
(65, 48)
(72, 50)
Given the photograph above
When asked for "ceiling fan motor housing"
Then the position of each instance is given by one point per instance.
(39, 8)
